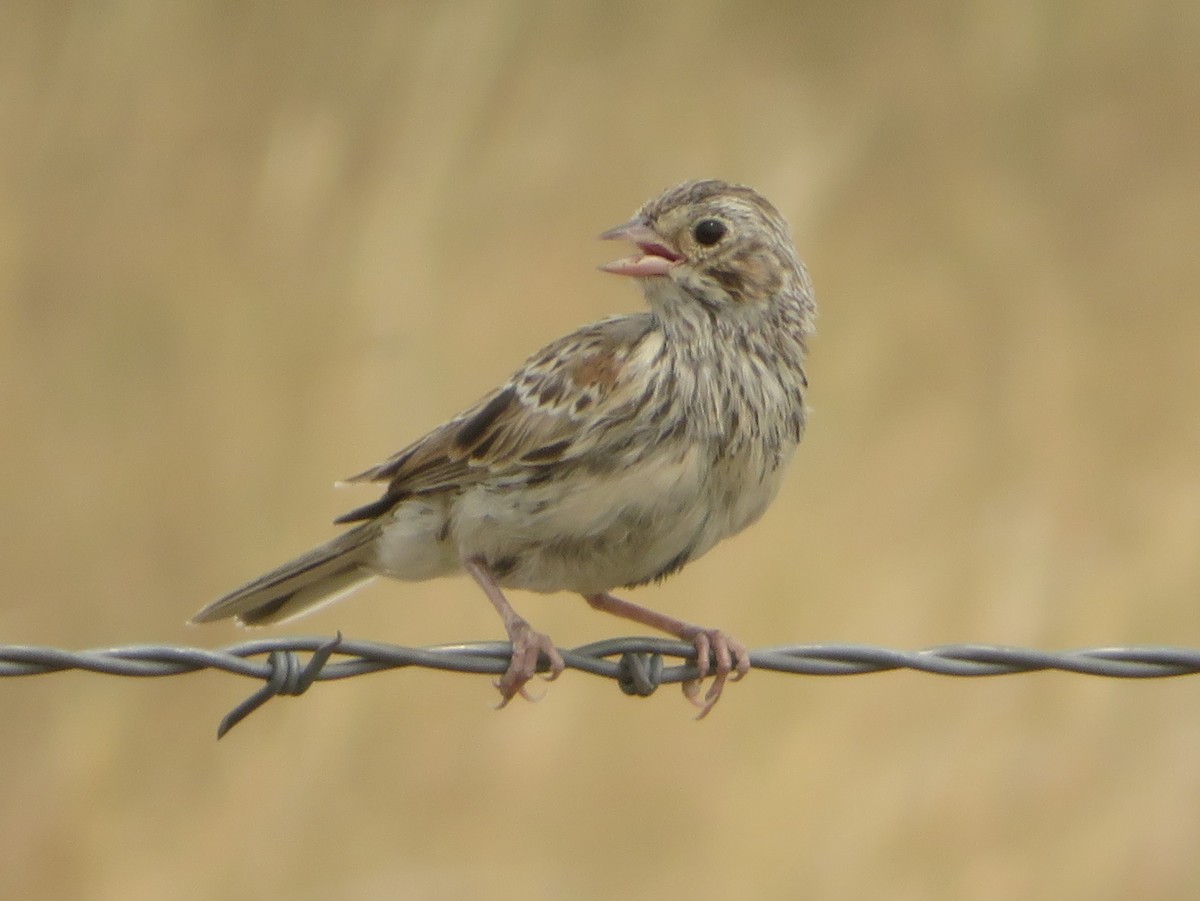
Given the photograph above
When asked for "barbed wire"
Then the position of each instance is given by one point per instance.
(639, 668)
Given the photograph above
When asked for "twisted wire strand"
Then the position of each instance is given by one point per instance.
(639, 668)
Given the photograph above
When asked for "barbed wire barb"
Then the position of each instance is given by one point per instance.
(638, 670)
(287, 677)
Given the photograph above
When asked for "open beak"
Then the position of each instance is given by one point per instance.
(656, 257)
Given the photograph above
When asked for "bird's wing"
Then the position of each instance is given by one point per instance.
(563, 403)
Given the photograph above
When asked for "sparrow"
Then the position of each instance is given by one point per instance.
(612, 458)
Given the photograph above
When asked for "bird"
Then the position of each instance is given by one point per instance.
(612, 458)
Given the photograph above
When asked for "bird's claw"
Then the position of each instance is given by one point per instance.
(732, 663)
(527, 647)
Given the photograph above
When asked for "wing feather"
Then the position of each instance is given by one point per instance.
(558, 405)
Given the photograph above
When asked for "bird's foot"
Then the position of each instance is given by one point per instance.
(732, 662)
(527, 647)
(731, 659)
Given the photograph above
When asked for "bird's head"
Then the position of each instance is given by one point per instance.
(723, 244)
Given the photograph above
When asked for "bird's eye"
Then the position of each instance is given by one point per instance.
(708, 231)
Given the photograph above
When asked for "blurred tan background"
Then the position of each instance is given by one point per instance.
(246, 249)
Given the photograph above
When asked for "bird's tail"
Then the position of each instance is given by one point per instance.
(314, 579)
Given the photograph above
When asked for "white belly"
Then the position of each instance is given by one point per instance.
(587, 533)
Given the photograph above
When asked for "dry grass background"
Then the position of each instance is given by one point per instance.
(246, 249)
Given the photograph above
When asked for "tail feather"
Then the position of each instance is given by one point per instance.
(319, 577)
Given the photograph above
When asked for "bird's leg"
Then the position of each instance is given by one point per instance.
(526, 643)
(730, 654)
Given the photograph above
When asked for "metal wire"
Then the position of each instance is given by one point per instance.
(638, 670)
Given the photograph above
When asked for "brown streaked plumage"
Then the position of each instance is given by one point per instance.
(613, 457)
